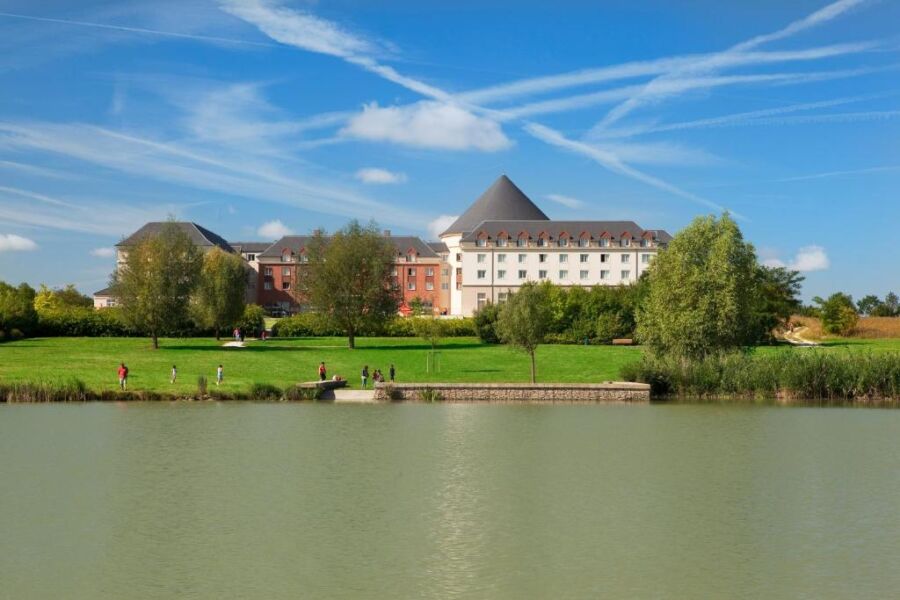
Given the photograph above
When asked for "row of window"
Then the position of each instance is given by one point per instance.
(563, 258)
(583, 274)
(544, 242)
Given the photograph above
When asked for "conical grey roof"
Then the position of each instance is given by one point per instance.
(503, 201)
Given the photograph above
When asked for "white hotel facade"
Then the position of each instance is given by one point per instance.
(504, 240)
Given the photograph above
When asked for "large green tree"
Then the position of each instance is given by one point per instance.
(221, 290)
(838, 313)
(777, 298)
(155, 283)
(17, 308)
(347, 276)
(703, 289)
(525, 320)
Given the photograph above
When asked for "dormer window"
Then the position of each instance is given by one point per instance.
(584, 242)
(626, 242)
(563, 241)
(502, 241)
(304, 258)
(645, 243)
(542, 242)
(604, 242)
(522, 241)
(481, 242)
(286, 256)
(411, 257)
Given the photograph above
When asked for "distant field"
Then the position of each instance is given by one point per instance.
(872, 328)
(285, 361)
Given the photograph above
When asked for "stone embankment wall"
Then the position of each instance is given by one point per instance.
(514, 392)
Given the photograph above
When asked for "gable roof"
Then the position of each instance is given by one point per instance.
(553, 229)
(401, 243)
(200, 236)
(502, 201)
(439, 247)
(256, 247)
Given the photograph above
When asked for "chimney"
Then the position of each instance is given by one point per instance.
(387, 233)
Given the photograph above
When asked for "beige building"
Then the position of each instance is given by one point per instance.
(504, 240)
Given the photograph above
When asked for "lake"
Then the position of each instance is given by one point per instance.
(206, 500)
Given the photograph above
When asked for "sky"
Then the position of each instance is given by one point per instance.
(258, 118)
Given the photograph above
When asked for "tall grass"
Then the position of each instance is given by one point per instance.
(802, 374)
(866, 328)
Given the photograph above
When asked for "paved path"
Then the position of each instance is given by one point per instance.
(796, 338)
(353, 396)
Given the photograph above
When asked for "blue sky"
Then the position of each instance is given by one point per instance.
(256, 117)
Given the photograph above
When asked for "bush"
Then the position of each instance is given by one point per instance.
(253, 321)
(839, 314)
(84, 322)
(298, 393)
(312, 324)
(430, 395)
(201, 386)
(264, 391)
(485, 323)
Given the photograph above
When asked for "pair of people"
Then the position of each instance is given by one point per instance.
(377, 376)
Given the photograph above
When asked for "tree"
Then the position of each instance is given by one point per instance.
(417, 307)
(868, 305)
(17, 308)
(703, 291)
(839, 314)
(431, 330)
(219, 299)
(155, 283)
(253, 319)
(525, 319)
(347, 277)
(889, 308)
(48, 300)
(778, 297)
(486, 323)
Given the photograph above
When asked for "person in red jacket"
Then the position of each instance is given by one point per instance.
(322, 372)
(123, 376)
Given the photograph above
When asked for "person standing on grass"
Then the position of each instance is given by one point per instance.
(174, 373)
(123, 376)
(322, 372)
(365, 376)
(220, 375)
(392, 372)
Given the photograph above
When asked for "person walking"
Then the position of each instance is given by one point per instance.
(365, 376)
(174, 373)
(392, 372)
(123, 376)
(322, 372)
(220, 375)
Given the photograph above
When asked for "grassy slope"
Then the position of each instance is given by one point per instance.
(282, 362)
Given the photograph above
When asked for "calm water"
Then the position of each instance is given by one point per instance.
(448, 501)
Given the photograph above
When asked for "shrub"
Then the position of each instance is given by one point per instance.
(201, 386)
(307, 324)
(485, 323)
(253, 321)
(84, 322)
(16, 334)
(430, 395)
(264, 391)
(298, 393)
(839, 314)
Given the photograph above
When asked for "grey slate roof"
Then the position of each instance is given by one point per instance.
(613, 229)
(402, 243)
(107, 291)
(256, 247)
(439, 247)
(503, 200)
(200, 236)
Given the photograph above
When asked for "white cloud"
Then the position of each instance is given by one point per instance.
(103, 252)
(808, 258)
(379, 176)
(567, 201)
(273, 230)
(428, 124)
(440, 225)
(10, 242)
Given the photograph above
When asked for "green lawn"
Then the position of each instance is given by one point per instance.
(282, 362)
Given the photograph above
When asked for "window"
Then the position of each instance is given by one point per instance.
(267, 285)
(429, 271)
(644, 243)
(542, 274)
(268, 271)
(645, 258)
(501, 297)
(411, 272)
(411, 285)
(251, 257)
(458, 257)
(626, 242)
(604, 242)
(583, 274)
(563, 274)
(481, 300)
(583, 258)
(501, 242)
(445, 272)
(604, 274)
(563, 258)
(626, 258)
(523, 274)
(501, 274)
(501, 258)
(285, 271)
(522, 242)
(584, 242)
(542, 258)
(482, 274)
(481, 258)
(429, 285)
(604, 258)
(522, 258)
(410, 258)
(542, 242)
(285, 285)
(626, 274)
(481, 242)
(286, 256)
(304, 258)
(445, 286)
(563, 242)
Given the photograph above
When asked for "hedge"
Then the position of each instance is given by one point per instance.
(315, 325)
